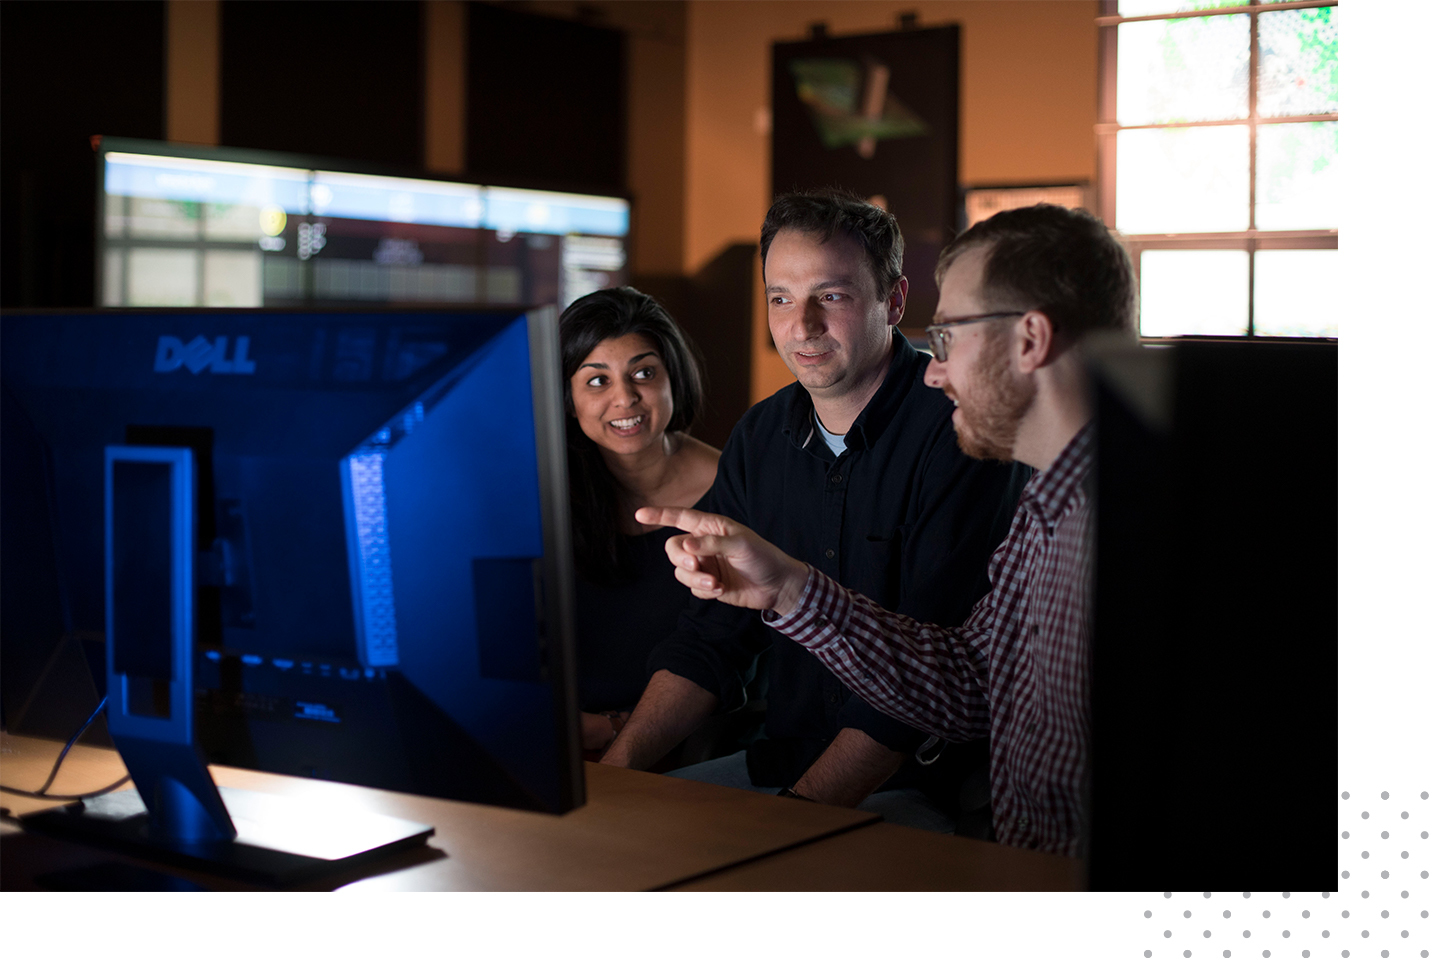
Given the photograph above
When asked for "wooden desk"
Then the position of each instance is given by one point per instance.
(639, 831)
(886, 857)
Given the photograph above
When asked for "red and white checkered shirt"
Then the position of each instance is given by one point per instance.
(1017, 670)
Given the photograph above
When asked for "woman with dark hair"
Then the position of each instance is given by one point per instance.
(632, 389)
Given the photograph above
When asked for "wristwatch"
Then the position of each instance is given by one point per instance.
(788, 792)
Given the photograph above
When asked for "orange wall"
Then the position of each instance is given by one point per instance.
(1027, 108)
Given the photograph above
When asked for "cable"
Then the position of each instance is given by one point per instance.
(55, 770)
(71, 742)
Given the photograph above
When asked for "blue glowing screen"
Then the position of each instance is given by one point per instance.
(380, 573)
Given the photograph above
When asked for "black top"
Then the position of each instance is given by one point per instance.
(901, 516)
(616, 626)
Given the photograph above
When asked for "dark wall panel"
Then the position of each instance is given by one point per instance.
(329, 79)
(546, 102)
(715, 308)
(67, 71)
(906, 152)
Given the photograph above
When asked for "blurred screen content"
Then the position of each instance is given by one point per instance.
(183, 232)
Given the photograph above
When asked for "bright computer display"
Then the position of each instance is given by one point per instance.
(380, 574)
(191, 227)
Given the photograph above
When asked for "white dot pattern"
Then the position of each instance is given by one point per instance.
(1379, 908)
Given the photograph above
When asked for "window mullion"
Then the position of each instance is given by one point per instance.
(1105, 130)
(1254, 105)
(1109, 16)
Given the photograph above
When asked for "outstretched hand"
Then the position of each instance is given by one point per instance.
(719, 559)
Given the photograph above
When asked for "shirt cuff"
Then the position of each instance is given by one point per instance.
(823, 606)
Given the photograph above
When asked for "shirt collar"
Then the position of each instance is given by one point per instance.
(1051, 492)
(871, 424)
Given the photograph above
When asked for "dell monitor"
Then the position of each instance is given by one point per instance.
(331, 545)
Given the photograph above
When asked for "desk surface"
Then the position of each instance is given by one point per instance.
(638, 831)
(886, 857)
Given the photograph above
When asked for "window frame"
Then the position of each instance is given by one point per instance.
(1108, 128)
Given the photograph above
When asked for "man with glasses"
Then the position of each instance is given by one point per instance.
(851, 468)
(1017, 293)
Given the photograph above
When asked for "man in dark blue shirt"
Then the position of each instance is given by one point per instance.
(854, 469)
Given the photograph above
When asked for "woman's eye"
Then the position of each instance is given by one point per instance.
(595, 381)
(645, 373)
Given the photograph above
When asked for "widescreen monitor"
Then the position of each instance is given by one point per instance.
(187, 226)
(380, 571)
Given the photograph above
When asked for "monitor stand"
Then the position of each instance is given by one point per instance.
(176, 814)
(279, 842)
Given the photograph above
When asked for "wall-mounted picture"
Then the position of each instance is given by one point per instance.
(876, 114)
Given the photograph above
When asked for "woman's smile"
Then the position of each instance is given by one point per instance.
(621, 394)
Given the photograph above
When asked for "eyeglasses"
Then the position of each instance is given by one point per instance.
(939, 335)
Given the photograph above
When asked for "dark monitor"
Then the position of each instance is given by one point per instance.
(190, 226)
(353, 527)
(1216, 676)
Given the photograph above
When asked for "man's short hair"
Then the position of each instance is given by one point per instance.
(1064, 263)
(823, 213)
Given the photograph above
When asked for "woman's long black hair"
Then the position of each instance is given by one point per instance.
(594, 495)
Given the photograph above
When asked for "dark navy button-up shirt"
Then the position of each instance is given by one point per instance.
(902, 516)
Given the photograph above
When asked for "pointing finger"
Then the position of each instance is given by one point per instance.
(684, 518)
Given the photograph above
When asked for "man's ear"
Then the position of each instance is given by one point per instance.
(896, 301)
(1034, 342)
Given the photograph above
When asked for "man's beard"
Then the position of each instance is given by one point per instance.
(993, 404)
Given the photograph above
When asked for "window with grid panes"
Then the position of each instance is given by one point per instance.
(1219, 156)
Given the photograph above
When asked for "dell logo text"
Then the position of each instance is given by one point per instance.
(171, 354)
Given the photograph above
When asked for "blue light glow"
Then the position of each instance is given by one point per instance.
(206, 181)
(325, 193)
(372, 574)
(376, 588)
(365, 197)
(538, 211)
(315, 711)
(251, 660)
